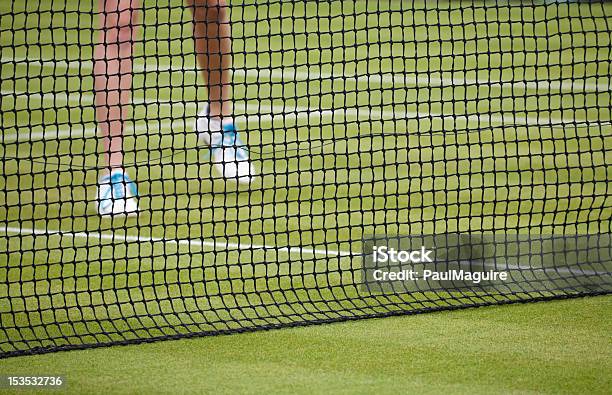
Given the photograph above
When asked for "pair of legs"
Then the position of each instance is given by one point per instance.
(113, 86)
(113, 64)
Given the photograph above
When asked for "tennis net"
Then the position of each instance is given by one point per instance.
(479, 131)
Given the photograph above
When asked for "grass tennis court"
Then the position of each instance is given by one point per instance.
(393, 132)
(288, 103)
(506, 349)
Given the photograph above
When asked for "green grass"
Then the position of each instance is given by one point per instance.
(466, 124)
(560, 347)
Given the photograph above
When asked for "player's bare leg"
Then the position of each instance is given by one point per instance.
(215, 125)
(113, 86)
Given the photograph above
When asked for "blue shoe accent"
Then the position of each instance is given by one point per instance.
(231, 139)
(116, 179)
(117, 195)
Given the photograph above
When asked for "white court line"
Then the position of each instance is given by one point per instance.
(227, 246)
(179, 242)
(285, 113)
(25, 134)
(538, 269)
(408, 80)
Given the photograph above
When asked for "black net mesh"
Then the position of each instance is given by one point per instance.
(350, 119)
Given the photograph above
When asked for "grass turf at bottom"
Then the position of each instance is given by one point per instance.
(554, 347)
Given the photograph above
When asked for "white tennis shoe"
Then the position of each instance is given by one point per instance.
(117, 195)
(229, 155)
